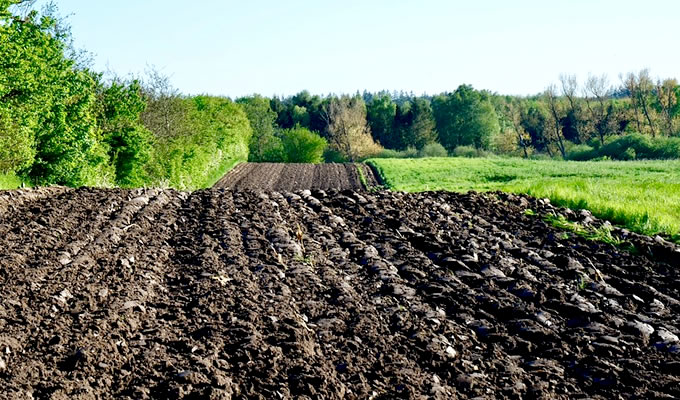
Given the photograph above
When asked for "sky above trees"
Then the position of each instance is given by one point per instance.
(270, 47)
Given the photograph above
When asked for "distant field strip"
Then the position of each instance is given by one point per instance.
(643, 196)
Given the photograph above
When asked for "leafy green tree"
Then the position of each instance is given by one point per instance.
(69, 146)
(465, 118)
(402, 124)
(300, 145)
(300, 116)
(534, 121)
(50, 99)
(348, 131)
(264, 144)
(380, 114)
(421, 131)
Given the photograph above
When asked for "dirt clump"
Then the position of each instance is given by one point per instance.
(324, 294)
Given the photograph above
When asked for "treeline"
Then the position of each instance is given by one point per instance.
(62, 123)
(567, 121)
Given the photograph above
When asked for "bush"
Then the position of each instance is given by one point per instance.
(433, 150)
(410, 152)
(581, 152)
(465, 151)
(300, 145)
(333, 156)
(633, 146)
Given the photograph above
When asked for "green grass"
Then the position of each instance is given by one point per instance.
(643, 196)
(9, 181)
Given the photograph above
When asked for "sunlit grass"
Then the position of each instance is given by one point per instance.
(643, 196)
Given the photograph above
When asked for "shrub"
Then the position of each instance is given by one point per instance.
(581, 152)
(410, 152)
(636, 146)
(300, 145)
(465, 151)
(333, 156)
(433, 150)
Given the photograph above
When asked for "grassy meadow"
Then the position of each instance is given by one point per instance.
(643, 196)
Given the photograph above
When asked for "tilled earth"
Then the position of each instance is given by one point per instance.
(291, 177)
(220, 294)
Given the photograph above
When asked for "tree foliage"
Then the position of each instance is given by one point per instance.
(300, 145)
(465, 117)
(348, 131)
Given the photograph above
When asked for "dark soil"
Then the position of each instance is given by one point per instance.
(291, 177)
(221, 294)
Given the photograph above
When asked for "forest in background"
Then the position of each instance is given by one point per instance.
(63, 123)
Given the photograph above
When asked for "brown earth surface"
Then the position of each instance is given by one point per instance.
(291, 177)
(325, 294)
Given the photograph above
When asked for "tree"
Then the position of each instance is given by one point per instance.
(420, 130)
(641, 88)
(263, 142)
(300, 145)
(572, 122)
(47, 120)
(512, 109)
(667, 104)
(534, 121)
(555, 117)
(166, 112)
(348, 131)
(381, 112)
(465, 118)
(597, 90)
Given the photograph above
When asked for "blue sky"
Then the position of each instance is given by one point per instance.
(235, 48)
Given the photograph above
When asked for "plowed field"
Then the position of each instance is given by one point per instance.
(325, 294)
(291, 177)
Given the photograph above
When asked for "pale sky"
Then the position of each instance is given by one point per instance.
(234, 48)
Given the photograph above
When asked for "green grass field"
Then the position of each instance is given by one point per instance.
(643, 196)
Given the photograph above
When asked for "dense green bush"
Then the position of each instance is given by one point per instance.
(581, 152)
(433, 150)
(333, 156)
(300, 145)
(429, 150)
(633, 146)
(465, 151)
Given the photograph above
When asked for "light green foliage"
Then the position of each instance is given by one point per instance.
(46, 105)
(348, 131)
(433, 150)
(465, 118)
(130, 144)
(264, 144)
(69, 146)
(601, 234)
(430, 150)
(300, 145)
(465, 151)
(641, 195)
(215, 135)
(10, 181)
